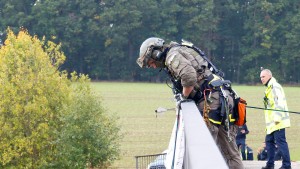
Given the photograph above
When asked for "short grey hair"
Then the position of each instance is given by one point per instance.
(268, 71)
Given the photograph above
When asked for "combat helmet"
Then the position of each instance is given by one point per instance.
(151, 48)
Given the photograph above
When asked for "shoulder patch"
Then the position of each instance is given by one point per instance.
(170, 59)
(175, 63)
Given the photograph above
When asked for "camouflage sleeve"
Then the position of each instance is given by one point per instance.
(181, 68)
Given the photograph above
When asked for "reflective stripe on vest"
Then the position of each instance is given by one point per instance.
(275, 100)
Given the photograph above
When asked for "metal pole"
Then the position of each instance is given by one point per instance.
(136, 163)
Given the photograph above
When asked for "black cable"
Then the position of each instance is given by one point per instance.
(253, 107)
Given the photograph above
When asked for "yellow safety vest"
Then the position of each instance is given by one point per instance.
(275, 99)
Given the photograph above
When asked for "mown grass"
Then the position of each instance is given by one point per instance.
(144, 133)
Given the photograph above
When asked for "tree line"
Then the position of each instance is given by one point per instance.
(101, 38)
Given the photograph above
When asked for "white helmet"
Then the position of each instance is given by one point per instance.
(150, 48)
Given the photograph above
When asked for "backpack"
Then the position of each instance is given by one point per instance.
(239, 111)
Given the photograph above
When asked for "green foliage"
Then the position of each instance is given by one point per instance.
(37, 108)
(89, 137)
(32, 95)
(102, 38)
(268, 26)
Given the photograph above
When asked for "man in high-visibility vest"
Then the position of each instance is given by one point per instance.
(276, 121)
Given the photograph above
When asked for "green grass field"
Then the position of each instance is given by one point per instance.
(145, 134)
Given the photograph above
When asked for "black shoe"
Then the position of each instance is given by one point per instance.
(285, 168)
(267, 167)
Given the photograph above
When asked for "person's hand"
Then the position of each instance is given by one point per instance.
(179, 99)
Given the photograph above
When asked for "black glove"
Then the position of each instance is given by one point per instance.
(180, 99)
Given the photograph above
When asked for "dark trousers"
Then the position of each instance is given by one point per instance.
(241, 143)
(278, 137)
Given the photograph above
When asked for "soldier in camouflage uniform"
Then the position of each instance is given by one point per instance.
(185, 64)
